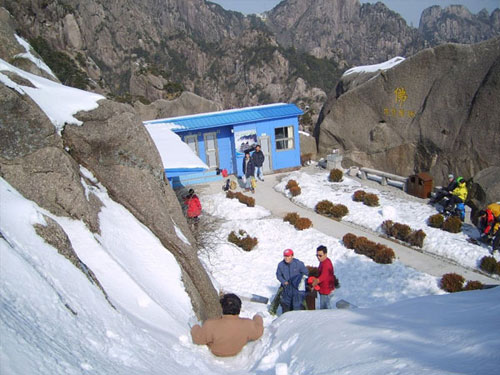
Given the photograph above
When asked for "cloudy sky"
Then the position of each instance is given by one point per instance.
(409, 9)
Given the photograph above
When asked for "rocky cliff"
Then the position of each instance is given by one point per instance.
(436, 112)
(45, 166)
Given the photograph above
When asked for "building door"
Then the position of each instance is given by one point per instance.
(265, 146)
(211, 152)
(192, 142)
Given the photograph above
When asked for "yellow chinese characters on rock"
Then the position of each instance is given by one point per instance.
(398, 110)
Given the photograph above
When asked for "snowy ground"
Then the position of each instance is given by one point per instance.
(53, 320)
(316, 187)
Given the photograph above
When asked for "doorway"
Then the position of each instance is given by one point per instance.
(265, 146)
(211, 152)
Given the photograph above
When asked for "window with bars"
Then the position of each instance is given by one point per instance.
(284, 138)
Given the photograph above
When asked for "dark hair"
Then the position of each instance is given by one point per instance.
(322, 248)
(231, 304)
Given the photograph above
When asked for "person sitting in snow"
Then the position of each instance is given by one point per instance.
(193, 206)
(227, 335)
(445, 192)
(289, 274)
(458, 195)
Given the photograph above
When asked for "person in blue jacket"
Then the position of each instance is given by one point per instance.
(289, 271)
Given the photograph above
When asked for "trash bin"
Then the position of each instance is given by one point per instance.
(420, 185)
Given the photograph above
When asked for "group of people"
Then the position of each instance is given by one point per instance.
(252, 168)
(291, 273)
(227, 335)
(452, 198)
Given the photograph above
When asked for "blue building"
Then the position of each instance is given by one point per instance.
(220, 139)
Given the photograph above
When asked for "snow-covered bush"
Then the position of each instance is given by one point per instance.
(303, 223)
(416, 238)
(473, 285)
(376, 251)
(489, 264)
(291, 217)
(291, 183)
(295, 190)
(359, 196)
(370, 200)
(349, 239)
(249, 201)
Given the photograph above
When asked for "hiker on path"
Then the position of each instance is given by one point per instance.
(248, 172)
(326, 278)
(258, 160)
(289, 273)
(193, 206)
(227, 335)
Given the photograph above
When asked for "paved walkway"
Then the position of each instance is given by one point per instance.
(279, 205)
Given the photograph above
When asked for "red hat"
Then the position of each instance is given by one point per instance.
(287, 252)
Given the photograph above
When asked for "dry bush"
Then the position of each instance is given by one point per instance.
(452, 224)
(303, 223)
(473, 285)
(230, 194)
(384, 255)
(364, 246)
(435, 221)
(416, 238)
(295, 190)
(387, 227)
(452, 282)
(371, 200)
(349, 239)
(243, 240)
(323, 207)
(335, 175)
(291, 217)
(249, 201)
(400, 231)
(489, 264)
(291, 183)
(338, 211)
(359, 196)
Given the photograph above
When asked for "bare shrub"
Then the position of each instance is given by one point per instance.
(452, 224)
(384, 255)
(452, 282)
(338, 211)
(435, 221)
(349, 239)
(335, 175)
(416, 238)
(370, 200)
(291, 183)
(291, 217)
(473, 285)
(323, 207)
(359, 196)
(242, 239)
(401, 231)
(303, 223)
(489, 264)
(295, 190)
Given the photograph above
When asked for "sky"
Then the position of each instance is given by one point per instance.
(409, 9)
(402, 322)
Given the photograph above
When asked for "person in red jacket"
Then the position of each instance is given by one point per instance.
(193, 208)
(326, 278)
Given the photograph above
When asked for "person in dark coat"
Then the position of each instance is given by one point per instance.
(248, 172)
(288, 270)
(258, 160)
(445, 192)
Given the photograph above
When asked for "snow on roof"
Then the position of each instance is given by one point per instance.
(173, 151)
(57, 101)
(374, 68)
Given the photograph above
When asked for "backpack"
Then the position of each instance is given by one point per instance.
(226, 186)
(233, 185)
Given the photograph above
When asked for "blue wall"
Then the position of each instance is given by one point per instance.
(226, 144)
